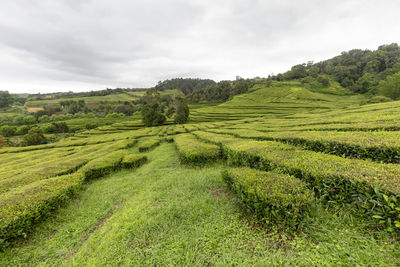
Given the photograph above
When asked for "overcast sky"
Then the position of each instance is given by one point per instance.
(80, 45)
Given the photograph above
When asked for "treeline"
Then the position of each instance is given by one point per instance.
(7, 99)
(186, 85)
(361, 71)
(222, 91)
(104, 92)
(205, 89)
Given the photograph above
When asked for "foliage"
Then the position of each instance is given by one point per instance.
(5, 99)
(390, 87)
(377, 146)
(104, 165)
(133, 161)
(181, 110)
(277, 199)
(57, 127)
(152, 115)
(34, 137)
(222, 91)
(358, 70)
(149, 144)
(7, 131)
(1, 141)
(372, 188)
(193, 151)
(186, 85)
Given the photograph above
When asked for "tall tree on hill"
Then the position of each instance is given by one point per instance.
(390, 87)
(5, 99)
(152, 110)
(179, 108)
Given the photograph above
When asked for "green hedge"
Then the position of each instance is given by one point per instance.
(373, 188)
(133, 161)
(277, 199)
(20, 209)
(104, 165)
(148, 144)
(193, 151)
(378, 146)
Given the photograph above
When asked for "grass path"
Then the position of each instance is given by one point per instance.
(163, 214)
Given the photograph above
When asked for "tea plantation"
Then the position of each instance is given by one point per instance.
(280, 175)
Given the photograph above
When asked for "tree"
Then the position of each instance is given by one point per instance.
(152, 115)
(390, 87)
(5, 99)
(180, 109)
(35, 136)
(8, 130)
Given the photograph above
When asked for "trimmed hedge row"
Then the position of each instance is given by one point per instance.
(133, 161)
(373, 188)
(277, 199)
(378, 146)
(21, 208)
(148, 144)
(193, 151)
(104, 165)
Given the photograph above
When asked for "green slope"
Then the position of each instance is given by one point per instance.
(279, 100)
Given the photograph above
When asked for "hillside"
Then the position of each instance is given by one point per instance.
(277, 100)
(271, 177)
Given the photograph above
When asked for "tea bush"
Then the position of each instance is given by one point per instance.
(133, 161)
(277, 199)
(373, 188)
(148, 144)
(193, 151)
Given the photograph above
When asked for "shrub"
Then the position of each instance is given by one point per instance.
(148, 144)
(34, 137)
(378, 146)
(25, 206)
(277, 199)
(373, 188)
(23, 130)
(1, 141)
(91, 125)
(8, 131)
(133, 161)
(104, 165)
(193, 151)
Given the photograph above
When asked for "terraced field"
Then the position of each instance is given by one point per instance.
(252, 181)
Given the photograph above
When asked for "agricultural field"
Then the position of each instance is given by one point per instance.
(281, 175)
(89, 99)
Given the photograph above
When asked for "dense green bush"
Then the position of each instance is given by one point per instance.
(193, 151)
(148, 144)
(277, 199)
(34, 137)
(8, 131)
(1, 141)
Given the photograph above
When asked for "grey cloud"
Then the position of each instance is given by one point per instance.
(52, 45)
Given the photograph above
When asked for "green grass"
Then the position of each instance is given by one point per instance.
(165, 214)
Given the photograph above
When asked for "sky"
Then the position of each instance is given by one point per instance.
(81, 45)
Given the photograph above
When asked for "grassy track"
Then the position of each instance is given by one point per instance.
(165, 214)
